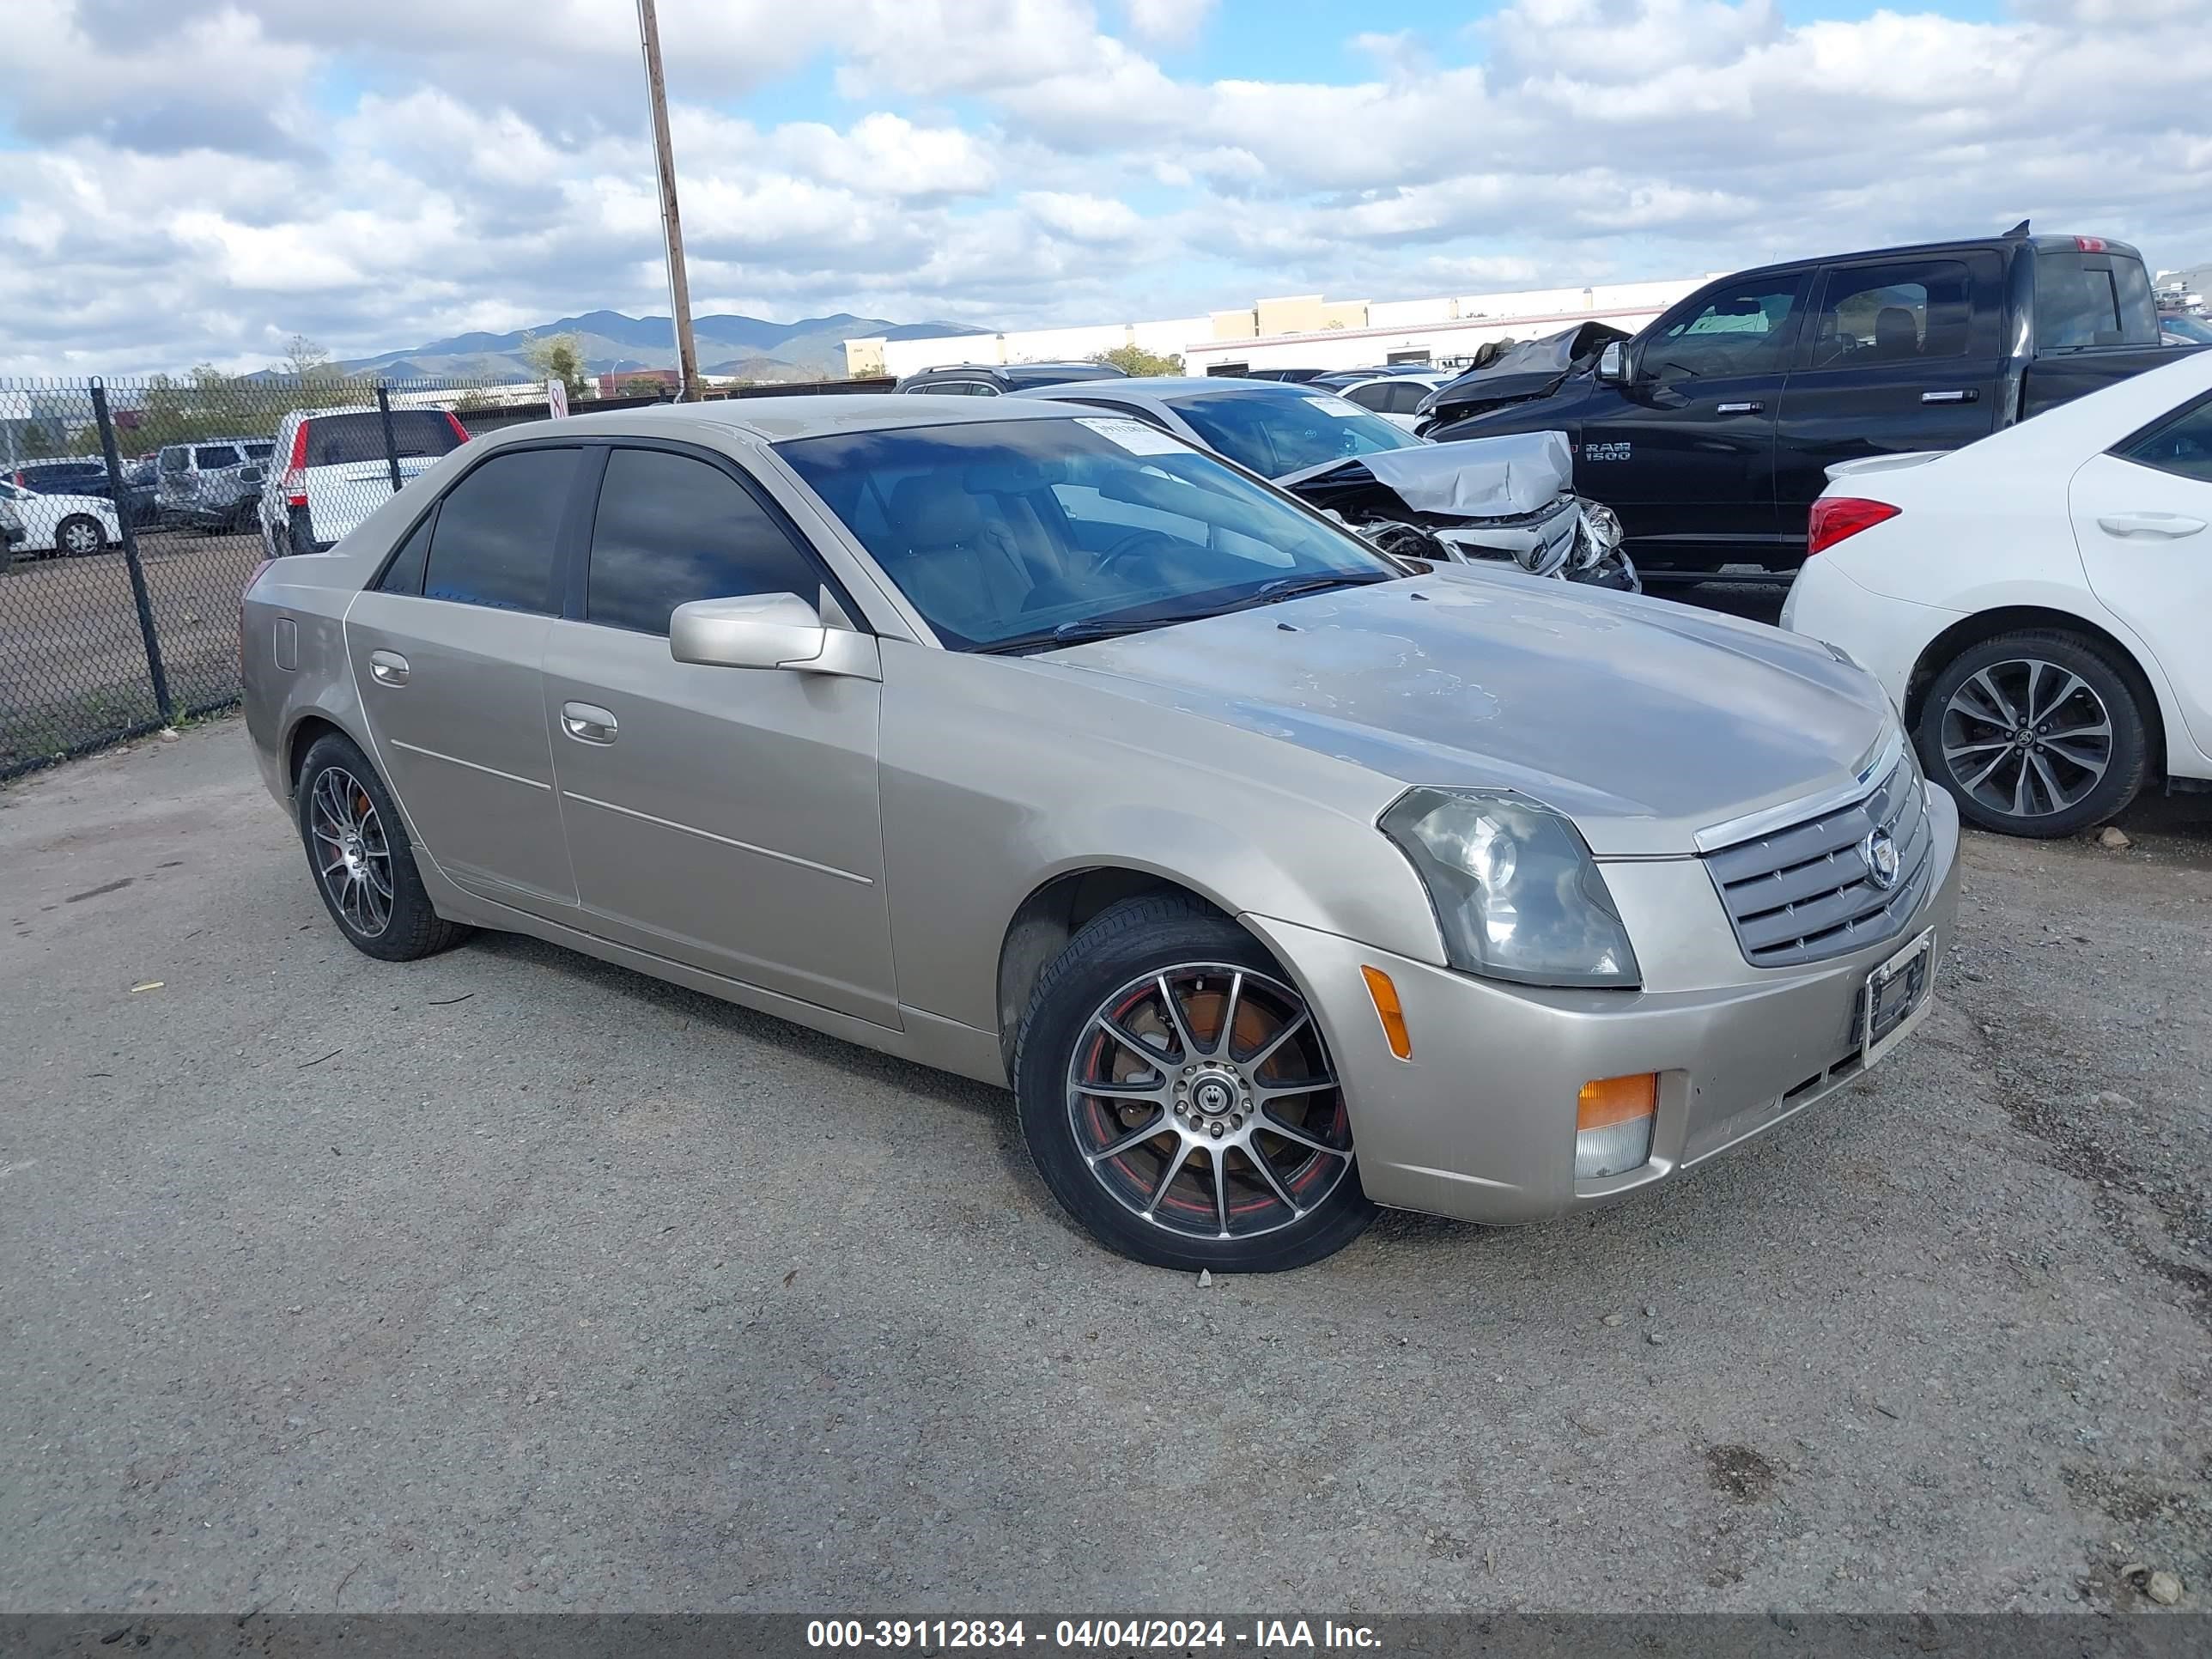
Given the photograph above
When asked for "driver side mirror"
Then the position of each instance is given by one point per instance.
(1613, 367)
(769, 630)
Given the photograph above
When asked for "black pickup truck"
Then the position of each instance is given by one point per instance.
(1710, 432)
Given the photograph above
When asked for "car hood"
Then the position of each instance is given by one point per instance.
(1644, 721)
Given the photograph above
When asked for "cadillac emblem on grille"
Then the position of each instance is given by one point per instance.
(1882, 862)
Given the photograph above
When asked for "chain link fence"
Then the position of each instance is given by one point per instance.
(134, 513)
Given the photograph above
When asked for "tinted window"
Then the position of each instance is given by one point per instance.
(1893, 313)
(1744, 329)
(1000, 533)
(259, 451)
(1286, 429)
(348, 439)
(1406, 398)
(1374, 396)
(404, 573)
(176, 460)
(670, 530)
(495, 534)
(2181, 445)
(2091, 298)
(210, 456)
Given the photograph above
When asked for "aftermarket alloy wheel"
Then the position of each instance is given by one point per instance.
(1178, 1096)
(358, 851)
(2035, 733)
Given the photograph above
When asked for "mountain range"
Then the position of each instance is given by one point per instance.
(810, 348)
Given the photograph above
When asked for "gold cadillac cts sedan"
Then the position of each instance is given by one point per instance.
(1279, 879)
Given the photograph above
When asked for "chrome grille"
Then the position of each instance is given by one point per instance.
(1804, 893)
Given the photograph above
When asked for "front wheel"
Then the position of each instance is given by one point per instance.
(1177, 1095)
(2035, 733)
(79, 534)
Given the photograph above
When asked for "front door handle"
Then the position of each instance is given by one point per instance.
(588, 723)
(1741, 408)
(2165, 525)
(1968, 395)
(388, 668)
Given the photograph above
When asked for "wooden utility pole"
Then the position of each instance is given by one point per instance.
(672, 224)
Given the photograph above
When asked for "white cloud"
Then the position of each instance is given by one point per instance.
(199, 177)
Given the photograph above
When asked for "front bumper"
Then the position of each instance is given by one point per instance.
(1479, 1123)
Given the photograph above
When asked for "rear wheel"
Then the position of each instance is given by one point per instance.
(363, 867)
(2038, 732)
(1178, 1098)
(79, 534)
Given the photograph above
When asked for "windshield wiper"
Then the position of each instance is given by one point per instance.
(1075, 633)
(1290, 588)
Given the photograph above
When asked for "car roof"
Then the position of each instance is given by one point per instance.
(778, 420)
(1170, 389)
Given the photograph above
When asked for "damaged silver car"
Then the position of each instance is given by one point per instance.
(1509, 499)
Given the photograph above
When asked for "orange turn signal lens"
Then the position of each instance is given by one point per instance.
(1387, 1009)
(1612, 1100)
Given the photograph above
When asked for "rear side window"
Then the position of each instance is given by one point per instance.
(497, 532)
(404, 573)
(2181, 444)
(670, 530)
(1374, 396)
(176, 460)
(350, 440)
(2091, 298)
(1906, 313)
(211, 456)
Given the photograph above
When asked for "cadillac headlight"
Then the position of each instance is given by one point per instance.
(1516, 893)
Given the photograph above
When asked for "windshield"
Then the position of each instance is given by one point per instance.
(1001, 532)
(1277, 430)
(2182, 327)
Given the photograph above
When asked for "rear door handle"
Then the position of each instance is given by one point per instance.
(2165, 525)
(1740, 409)
(1969, 395)
(588, 723)
(388, 668)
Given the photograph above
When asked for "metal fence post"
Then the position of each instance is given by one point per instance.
(390, 442)
(123, 515)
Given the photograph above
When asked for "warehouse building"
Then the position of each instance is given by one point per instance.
(1304, 330)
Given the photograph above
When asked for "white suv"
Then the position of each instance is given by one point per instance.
(332, 468)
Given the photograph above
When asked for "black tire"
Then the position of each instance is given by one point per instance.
(81, 528)
(410, 928)
(1109, 956)
(2038, 681)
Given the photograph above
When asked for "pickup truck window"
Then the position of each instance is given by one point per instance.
(1745, 329)
(2091, 298)
(1912, 312)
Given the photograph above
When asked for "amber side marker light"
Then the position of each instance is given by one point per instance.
(1384, 995)
(1614, 1120)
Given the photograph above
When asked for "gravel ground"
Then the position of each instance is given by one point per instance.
(510, 1280)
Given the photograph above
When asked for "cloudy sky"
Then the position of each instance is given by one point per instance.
(191, 179)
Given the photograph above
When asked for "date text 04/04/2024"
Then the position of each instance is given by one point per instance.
(1259, 1636)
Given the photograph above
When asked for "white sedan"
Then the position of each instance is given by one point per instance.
(63, 524)
(2037, 604)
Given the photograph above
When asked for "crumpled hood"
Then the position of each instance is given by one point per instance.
(1512, 475)
(1643, 720)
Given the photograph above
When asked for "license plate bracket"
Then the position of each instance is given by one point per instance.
(1895, 998)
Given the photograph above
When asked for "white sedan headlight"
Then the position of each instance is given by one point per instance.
(1517, 894)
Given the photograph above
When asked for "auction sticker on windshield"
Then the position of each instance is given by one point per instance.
(1334, 405)
(1133, 435)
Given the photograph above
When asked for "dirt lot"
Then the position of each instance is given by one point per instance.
(510, 1280)
(73, 660)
